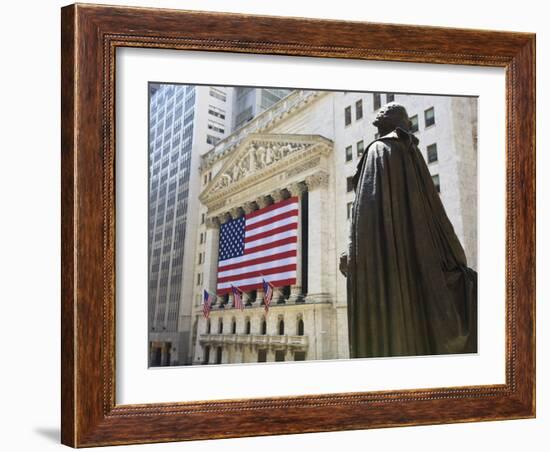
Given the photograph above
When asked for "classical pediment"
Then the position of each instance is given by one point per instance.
(260, 157)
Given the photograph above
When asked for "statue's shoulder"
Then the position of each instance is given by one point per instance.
(397, 136)
(384, 140)
(377, 148)
(382, 143)
(394, 135)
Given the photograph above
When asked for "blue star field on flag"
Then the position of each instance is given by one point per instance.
(232, 239)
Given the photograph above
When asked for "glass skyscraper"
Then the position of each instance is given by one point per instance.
(250, 102)
(172, 112)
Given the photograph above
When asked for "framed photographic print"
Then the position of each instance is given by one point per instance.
(326, 225)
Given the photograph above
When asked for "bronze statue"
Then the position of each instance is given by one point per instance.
(410, 291)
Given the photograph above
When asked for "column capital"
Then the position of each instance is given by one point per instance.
(317, 180)
(224, 217)
(262, 201)
(276, 195)
(250, 207)
(212, 222)
(297, 188)
(236, 212)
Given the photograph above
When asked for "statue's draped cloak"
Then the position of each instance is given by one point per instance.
(410, 291)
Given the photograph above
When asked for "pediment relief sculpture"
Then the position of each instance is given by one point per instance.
(260, 154)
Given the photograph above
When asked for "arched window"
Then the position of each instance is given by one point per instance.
(208, 326)
(233, 326)
(281, 327)
(220, 326)
(264, 326)
(300, 327)
(247, 326)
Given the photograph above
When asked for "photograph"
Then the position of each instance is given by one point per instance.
(283, 215)
(289, 224)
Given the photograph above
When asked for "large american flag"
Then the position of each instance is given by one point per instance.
(261, 245)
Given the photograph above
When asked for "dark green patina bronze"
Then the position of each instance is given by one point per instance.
(410, 291)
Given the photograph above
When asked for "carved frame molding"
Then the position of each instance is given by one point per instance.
(90, 36)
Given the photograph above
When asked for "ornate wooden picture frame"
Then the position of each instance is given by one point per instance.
(90, 37)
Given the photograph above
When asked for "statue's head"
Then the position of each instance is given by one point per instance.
(390, 117)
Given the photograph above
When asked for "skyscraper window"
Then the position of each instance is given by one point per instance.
(347, 116)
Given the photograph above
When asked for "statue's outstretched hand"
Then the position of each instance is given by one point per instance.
(344, 264)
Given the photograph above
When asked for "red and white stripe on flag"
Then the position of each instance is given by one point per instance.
(263, 246)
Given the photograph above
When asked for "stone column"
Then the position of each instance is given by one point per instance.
(213, 354)
(248, 354)
(210, 264)
(317, 236)
(211, 252)
(291, 325)
(276, 196)
(249, 207)
(225, 354)
(259, 297)
(297, 189)
(235, 212)
(261, 202)
(239, 354)
(272, 324)
(289, 355)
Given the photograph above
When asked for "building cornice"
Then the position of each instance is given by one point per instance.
(262, 123)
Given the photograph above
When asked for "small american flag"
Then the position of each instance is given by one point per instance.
(207, 304)
(268, 294)
(259, 246)
(238, 303)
